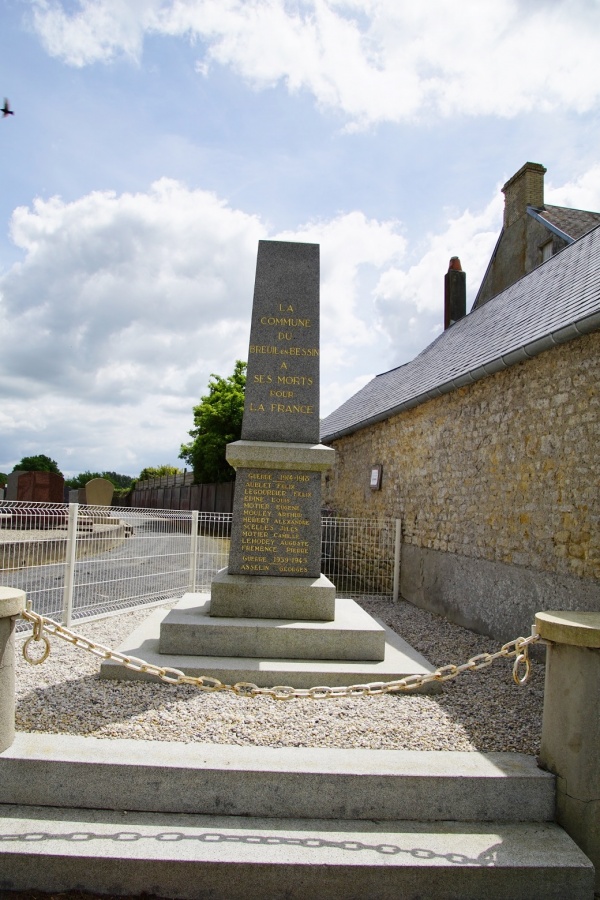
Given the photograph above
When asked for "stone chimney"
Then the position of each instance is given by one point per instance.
(525, 188)
(455, 293)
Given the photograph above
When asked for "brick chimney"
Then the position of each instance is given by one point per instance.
(525, 188)
(455, 293)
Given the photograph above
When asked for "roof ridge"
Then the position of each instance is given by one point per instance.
(592, 212)
(528, 317)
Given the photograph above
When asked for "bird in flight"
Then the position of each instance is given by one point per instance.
(6, 110)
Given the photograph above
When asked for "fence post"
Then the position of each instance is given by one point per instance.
(12, 604)
(397, 544)
(194, 551)
(70, 564)
(571, 723)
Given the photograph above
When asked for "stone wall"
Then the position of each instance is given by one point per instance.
(519, 252)
(498, 477)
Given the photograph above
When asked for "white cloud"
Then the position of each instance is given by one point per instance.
(371, 60)
(410, 299)
(96, 32)
(119, 311)
(354, 250)
(113, 289)
(123, 305)
(581, 193)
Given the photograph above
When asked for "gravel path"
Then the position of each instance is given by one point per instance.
(482, 711)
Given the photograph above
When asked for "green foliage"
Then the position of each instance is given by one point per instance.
(40, 463)
(119, 481)
(121, 494)
(157, 472)
(3, 477)
(218, 422)
(80, 481)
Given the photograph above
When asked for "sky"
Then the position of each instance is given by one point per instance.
(155, 143)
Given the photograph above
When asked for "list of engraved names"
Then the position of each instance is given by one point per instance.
(277, 511)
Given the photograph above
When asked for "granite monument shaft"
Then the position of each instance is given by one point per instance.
(277, 505)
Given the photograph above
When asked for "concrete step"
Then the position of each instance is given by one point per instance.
(221, 779)
(190, 629)
(240, 858)
(399, 660)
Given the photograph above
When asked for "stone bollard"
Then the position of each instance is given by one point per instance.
(571, 726)
(12, 603)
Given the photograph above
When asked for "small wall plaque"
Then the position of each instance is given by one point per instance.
(376, 472)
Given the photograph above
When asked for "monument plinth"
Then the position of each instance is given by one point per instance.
(271, 616)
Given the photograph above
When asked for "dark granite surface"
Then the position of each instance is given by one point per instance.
(278, 514)
(282, 388)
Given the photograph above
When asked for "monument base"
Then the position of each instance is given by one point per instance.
(269, 597)
(399, 658)
(191, 628)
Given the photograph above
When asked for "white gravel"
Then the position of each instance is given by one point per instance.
(482, 711)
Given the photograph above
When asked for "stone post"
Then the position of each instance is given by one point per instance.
(571, 725)
(12, 603)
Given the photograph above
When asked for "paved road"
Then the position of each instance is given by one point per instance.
(153, 563)
(72, 895)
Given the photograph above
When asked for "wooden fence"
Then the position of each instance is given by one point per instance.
(203, 497)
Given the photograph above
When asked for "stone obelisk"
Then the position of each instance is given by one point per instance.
(271, 617)
(275, 553)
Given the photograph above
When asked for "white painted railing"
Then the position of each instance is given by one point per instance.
(77, 561)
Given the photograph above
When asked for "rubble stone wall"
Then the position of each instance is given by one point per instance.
(504, 470)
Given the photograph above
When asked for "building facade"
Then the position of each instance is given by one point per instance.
(487, 445)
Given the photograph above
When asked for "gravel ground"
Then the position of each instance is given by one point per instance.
(71, 895)
(482, 711)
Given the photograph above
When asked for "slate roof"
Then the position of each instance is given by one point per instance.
(556, 302)
(574, 222)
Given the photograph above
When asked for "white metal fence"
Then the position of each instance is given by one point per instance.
(78, 561)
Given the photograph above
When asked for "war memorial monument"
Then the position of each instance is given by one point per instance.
(271, 617)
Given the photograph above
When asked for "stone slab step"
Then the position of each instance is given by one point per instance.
(323, 783)
(272, 596)
(400, 660)
(230, 858)
(190, 629)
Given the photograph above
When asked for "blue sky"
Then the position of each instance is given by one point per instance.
(155, 143)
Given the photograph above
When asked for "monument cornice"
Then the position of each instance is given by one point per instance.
(278, 455)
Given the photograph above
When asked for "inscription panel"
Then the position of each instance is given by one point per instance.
(276, 527)
(282, 385)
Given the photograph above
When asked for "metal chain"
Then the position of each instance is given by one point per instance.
(518, 648)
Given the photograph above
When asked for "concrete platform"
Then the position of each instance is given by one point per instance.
(311, 782)
(190, 628)
(237, 858)
(400, 660)
(193, 821)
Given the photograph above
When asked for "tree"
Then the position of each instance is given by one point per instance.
(122, 481)
(218, 421)
(80, 481)
(40, 463)
(157, 472)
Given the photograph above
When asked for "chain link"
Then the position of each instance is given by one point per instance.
(518, 648)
